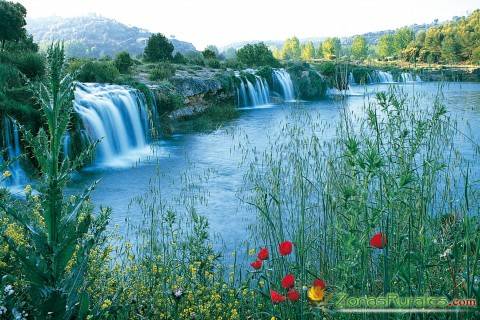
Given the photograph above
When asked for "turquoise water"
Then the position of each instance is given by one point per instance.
(213, 161)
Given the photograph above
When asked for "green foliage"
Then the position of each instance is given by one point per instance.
(291, 49)
(256, 55)
(179, 58)
(359, 48)
(308, 83)
(123, 62)
(12, 21)
(402, 38)
(386, 46)
(54, 236)
(209, 54)
(94, 71)
(308, 51)
(331, 48)
(30, 63)
(162, 71)
(158, 48)
(213, 63)
(168, 99)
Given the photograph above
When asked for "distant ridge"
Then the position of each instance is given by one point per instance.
(371, 37)
(94, 36)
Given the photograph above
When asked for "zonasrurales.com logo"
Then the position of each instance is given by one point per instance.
(394, 303)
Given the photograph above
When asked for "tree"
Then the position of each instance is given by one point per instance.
(123, 61)
(12, 21)
(214, 49)
(209, 54)
(359, 48)
(331, 48)
(319, 51)
(291, 49)
(256, 55)
(402, 38)
(386, 46)
(308, 51)
(158, 48)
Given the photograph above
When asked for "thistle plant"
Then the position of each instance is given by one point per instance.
(57, 234)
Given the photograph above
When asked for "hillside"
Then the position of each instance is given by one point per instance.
(94, 36)
(371, 37)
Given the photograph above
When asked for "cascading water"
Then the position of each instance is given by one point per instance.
(408, 77)
(13, 150)
(282, 78)
(252, 94)
(383, 77)
(351, 79)
(117, 116)
(379, 76)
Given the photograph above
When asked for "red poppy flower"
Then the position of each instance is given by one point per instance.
(257, 264)
(276, 297)
(319, 283)
(288, 281)
(263, 254)
(293, 295)
(378, 241)
(285, 248)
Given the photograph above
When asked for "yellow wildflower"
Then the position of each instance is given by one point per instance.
(7, 174)
(316, 293)
(106, 304)
(251, 252)
(28, 189)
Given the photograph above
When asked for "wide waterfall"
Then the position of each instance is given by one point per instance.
(282, 78)
(379, 76)
(117, 116)
(252, 94)
(408, 77)
(11, 144)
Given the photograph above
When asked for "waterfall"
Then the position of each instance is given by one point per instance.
(408, 77)
(383, 77)
(282, 78)
(379, 76)
(114, 114)
(13, 150)
(252, 94)
(351, 79)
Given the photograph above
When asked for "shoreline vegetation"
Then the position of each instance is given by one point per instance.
(389, 206)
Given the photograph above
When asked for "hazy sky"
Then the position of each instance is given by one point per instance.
(221, 22)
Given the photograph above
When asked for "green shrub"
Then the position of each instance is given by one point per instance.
(179, 58)
(213, 63)
(96, 71)
(167, 98)
(30, 63)
(123, 62)
(162, 71)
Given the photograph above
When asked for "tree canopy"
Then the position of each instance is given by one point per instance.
(12, 21)
(331, 48)
(291, 49)
(359, 47)
(158, 48)
(257, 54)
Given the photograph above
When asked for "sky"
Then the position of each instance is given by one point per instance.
(217, 22)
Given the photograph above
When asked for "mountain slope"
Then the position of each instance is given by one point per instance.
(94, 36)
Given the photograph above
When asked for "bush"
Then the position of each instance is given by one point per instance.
(158, 48)
(123, 62)
(96, 71)
(213, 63)
(162, 71)
(256, 55)
(30, 63)
(167, 98)
(179, 58)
